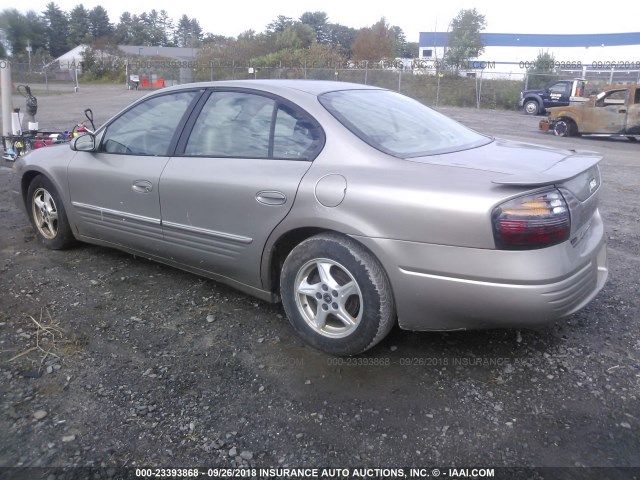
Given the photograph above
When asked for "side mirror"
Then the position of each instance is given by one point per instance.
(84, 143)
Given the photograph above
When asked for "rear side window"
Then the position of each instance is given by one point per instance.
(246, 125)
(295, 135)
(398, 125)
(232, 124)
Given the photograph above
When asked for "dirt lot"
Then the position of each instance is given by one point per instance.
(109, 360)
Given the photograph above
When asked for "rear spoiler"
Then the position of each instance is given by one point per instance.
(566, 169)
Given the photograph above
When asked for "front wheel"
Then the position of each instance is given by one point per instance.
(336, 295)
(48, 215)
(563, 128)
(531, 107)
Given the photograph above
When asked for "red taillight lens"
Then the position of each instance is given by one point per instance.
(534, 221)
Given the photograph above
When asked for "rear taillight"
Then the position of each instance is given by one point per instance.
(534, 221)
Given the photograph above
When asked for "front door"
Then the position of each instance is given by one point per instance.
(609, 113)
(115, 190)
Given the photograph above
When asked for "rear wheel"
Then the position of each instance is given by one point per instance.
(632, 139)
(336, 295)
(48, 215)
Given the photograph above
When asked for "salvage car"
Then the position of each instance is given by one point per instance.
(357, 207)
(614, 112)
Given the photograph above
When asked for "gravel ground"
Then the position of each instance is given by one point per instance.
(108, 360)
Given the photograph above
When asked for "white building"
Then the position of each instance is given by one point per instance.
(514, 53)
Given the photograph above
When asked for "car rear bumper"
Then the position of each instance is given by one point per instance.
(446, 288)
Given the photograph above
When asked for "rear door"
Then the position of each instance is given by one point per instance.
(235, 179)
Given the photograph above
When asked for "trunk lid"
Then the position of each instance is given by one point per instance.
(518, 163)
(525, 165)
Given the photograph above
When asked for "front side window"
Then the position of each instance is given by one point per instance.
(149, 127)
(398, 125)
(612, 97)
(558, 88)
(246, 125)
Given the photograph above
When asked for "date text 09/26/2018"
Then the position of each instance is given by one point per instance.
(577, 64)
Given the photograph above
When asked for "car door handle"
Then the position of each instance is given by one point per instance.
(271, 197)
(142, 186)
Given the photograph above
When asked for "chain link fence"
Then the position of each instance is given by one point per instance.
(481, 88)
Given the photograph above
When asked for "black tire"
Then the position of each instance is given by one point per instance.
(531, 107)
(47, 214)
(561, 128)
(355, 294)
(565, 128)
(632, 139)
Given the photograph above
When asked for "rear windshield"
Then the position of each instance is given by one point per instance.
(398, 125)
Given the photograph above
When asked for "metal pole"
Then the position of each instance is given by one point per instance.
(46, 80)
(7, 105)
(366, 71)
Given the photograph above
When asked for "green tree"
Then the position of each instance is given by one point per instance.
(320, 24)
(402, 48)
(123, 29)
(165, 26)
(153, 31)
(375, 43)
(543, 72)
(465, 41)
(188, 32)
(79, 26)
(280, 24)
(3, 44)
(318, 55)
(57, 29)
(139, 32)
(296, 36)
(21, 30)
(342, 37)
(100, 25)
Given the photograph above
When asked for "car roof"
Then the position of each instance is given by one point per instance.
(279, 86)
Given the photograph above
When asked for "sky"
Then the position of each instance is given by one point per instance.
(232, 18)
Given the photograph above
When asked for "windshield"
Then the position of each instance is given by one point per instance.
(397, 125)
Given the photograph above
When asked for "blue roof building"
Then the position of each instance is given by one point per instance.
(513, 53)
(540, 40)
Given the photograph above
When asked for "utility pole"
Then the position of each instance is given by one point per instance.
(29, 50)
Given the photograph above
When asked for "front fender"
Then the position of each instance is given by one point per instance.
(556, 113)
